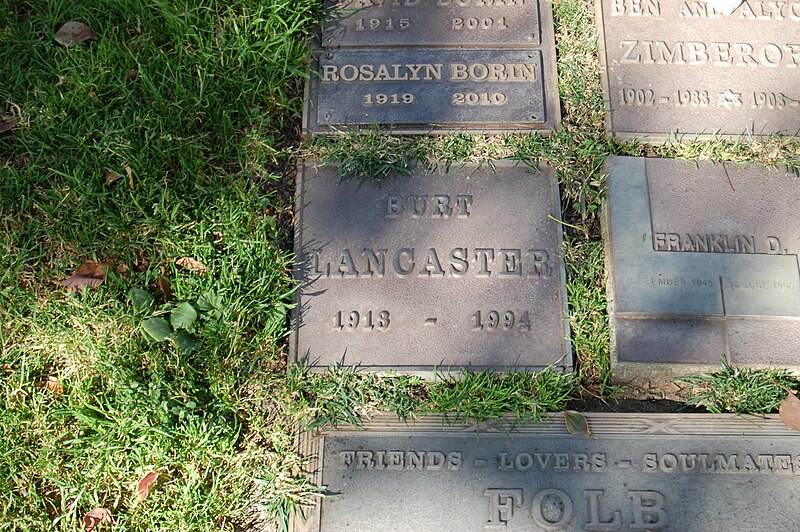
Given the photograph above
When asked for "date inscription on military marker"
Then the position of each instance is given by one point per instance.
(484, 23)
(461, 269)
(682, 66)
(703, 264)
(418, 91)
(691, 472)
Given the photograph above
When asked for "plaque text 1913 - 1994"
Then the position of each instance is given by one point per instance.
(455, 270)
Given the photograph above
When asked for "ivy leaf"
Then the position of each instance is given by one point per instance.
(186, 341)
(576, 424)
(183, 317)
(141, 299)
(157, 328)
(209, 301)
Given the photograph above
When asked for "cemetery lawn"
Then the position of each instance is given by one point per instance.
(164, 150)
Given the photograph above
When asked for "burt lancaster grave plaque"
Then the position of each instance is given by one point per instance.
(681, 67)
(482, 23)
(427, 272)
(702, 265)
(421, 91)
(687, 473)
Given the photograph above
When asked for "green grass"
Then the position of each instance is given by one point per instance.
(740, 390)
(196, 104)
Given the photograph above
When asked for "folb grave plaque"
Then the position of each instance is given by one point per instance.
(442, 23)
(431, 272)
(684, 68)
(687, 473)
(703, 265)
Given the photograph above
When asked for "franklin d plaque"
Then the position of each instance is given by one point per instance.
(428, 272)
(686, 473)
(684, 67)
(703, 265)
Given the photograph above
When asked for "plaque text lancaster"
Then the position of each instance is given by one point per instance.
(420, 272)
(455, 263)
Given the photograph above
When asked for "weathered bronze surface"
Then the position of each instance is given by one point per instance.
(688, 473)
(675, 67)
(703, 265)
(483, 23)
(460, 269)
(420, 91)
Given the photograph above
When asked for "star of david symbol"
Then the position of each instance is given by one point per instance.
(729, 99)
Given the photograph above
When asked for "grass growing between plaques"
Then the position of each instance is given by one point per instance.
(160, 150)
(741, 390)
(347, 396)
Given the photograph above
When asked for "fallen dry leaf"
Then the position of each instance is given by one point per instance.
(192, 265)
(111, 177)
(95, 518)
(576, 424)
(122, 270)
(145, 485)
(165, 288)
(6, 125)
(54, 385)
(790, 412)
(73, 33)
(90, 273)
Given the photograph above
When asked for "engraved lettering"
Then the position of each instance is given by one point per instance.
(647, 509)
(376, 262)
(552, 509)
(441, 206)
(596, 521)
(502, 503)
(398, 261)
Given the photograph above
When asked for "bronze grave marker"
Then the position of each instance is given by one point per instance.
(703, 265)
(657, 472)
(682, 68)
(420, 273)
(442, 23)
(433, 66)
(429, 90)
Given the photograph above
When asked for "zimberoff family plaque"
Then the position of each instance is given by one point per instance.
(688, 69)
(687, 473)
(703, 265)
(431, 272)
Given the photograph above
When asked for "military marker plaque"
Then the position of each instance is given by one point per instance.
(462, 23)
(703, 265)
(680, 68)
(695, 472)
(421, 273)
